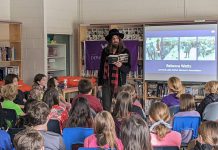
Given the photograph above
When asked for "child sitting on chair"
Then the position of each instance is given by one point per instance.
(187, 108)
(135, 134)
(52, 99)
(28, 139)
(161, 133)
(207, 138)
(80, 114)
(136, 105)
(211, 90)
(105, 135)
(9, 92)
(85, 89)
(175, 89)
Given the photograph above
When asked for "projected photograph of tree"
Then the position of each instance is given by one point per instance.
(153, 49)
(170, 48)
(206, 48)
(188, 48)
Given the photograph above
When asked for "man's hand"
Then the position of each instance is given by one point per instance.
(118, 64)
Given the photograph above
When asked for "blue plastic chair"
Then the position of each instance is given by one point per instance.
(165, 148)
(75, 136)
(84, 148)
(186, 123)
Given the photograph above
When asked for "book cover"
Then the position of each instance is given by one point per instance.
(12, 53)
(13, 70)
(121, 58)
(112, 59)
(8, 53)
(152, 89)
(188, 90)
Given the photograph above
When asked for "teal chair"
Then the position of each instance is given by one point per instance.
(76, 135)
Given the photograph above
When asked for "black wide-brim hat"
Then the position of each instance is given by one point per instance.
(113, 32)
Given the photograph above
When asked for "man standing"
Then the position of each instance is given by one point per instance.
(112, 76)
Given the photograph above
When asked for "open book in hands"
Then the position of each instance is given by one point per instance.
(121, 58)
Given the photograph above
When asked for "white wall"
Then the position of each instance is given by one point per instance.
(31, 14)
(202, 8)
(39, 18)
(62, 18)
(4, 9)
(121, 11)
(60, 15)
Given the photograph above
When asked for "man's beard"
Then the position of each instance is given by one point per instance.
(115, 46)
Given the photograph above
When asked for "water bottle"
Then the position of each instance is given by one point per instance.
(65, 83)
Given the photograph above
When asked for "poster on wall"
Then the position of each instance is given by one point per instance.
(93, 50)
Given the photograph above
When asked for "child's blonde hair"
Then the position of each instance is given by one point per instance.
(208, 131)
(9, 91)
(187, 102)
(128, 88)
(211, 87)
(104, 127)
(159, 111)
(175, 85)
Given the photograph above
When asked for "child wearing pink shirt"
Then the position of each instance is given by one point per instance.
(161, 134)
(105, 135)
